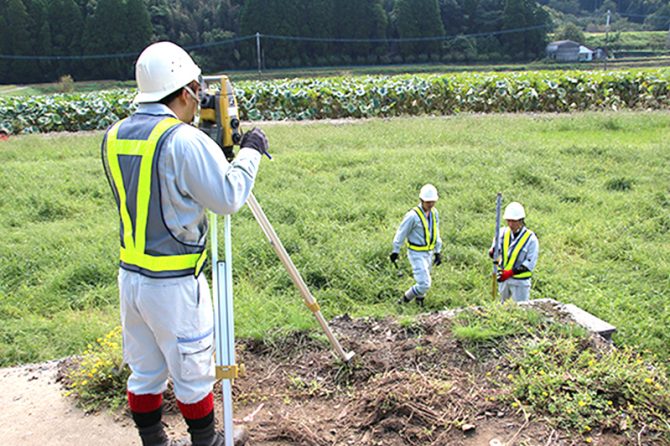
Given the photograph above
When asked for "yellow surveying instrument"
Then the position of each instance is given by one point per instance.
(219, 119)
(219, 116)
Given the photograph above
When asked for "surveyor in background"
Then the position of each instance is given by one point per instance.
(420, 228)
(519, 248)
(165, 174)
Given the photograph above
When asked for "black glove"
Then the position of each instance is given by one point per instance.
(393, 257)
(255, 139)
(438, 259)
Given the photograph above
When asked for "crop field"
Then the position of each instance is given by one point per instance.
(595, 186)
(371, 96)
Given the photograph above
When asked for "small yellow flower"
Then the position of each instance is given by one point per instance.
(515, 404)
(545, 394)
(541, 372)
(609, 403)
(581, 403)
(589, 439)
(510, 376)
(84, 382)
(648, 380)
(587, 428)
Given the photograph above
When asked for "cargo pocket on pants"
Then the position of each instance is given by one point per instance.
(196, 356)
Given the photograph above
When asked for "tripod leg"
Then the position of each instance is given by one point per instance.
(295, 275)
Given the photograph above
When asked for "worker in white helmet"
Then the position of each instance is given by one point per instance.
(420, 229)
(165, 174)
(519, 248)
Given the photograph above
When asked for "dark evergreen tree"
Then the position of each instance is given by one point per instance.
(360, 19)
(18, 42)
(418, 18)
(525, 14)
(4, 49)
(105, 35)
(66, 24)
(138, 26)
(39, 12)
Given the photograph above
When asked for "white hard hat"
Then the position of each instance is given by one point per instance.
(428, 193)
(161, 69)
(514, 211)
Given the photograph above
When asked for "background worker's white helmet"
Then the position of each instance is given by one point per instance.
(428, 193)
(161, 69)
(514, 211)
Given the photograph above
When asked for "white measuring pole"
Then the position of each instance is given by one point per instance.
(224, 326)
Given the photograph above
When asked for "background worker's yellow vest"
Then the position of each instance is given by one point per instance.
(430, 236)
(508, 259)
(130, 154)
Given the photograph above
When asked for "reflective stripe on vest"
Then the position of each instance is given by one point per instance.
(509, 262)
(133, 252)
(429, 237)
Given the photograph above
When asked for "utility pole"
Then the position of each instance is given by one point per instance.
(258, 53)
(607, 32)
(667, 43)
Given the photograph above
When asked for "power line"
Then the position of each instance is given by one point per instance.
(280, 37)
(643, 16)
(121, 55)
(405, 39)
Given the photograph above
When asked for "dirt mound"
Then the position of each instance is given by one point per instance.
(409, 384)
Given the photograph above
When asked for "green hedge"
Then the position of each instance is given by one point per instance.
(372, 96)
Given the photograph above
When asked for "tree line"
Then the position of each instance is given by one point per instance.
(41, 40)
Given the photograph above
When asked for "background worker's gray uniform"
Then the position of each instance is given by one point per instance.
(411, 229)
(519, 289)
(168, 322)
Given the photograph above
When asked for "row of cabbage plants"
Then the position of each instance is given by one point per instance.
(371, 96)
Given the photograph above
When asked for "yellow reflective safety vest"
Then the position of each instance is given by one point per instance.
(130, 153)
(430, 236)
(509, 259)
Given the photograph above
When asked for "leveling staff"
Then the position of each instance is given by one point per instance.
(165, 174)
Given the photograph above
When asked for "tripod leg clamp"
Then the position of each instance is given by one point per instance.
(229, 371)
(313, 307)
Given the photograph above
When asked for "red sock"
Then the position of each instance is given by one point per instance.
(145, 409)
(144, 403)
(197, 410)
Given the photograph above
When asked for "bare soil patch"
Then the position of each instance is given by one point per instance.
(407, 385)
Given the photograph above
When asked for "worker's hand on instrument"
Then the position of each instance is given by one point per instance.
(438, 259)
(393, 257)
(505, 274)
(256, 139)
(491, 252)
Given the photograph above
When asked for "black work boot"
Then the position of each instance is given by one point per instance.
(419, 301)
(155, 435)
(406, 298)
(207, 436)
(403, 300)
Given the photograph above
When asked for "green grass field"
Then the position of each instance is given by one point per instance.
(595, 187)
(631, 40)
